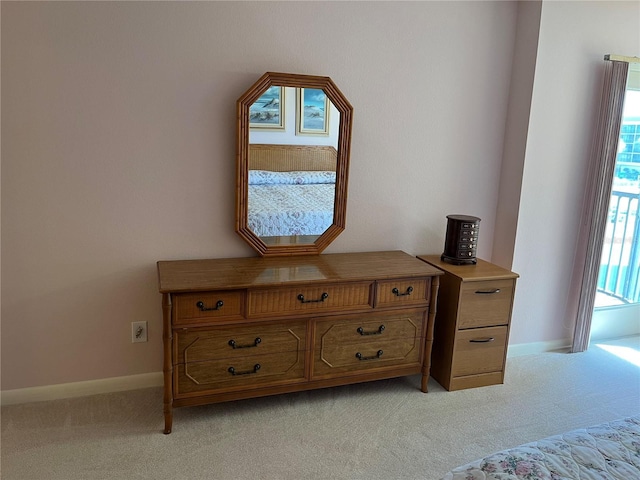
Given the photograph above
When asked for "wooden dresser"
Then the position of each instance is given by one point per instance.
(472, 323)
(250, 327)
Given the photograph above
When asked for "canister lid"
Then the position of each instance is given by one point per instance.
(463, 218)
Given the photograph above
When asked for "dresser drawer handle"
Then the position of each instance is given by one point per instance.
(377, 355)
(256, 367)
(361, 331)
(202, 308)
(488, 292)
(482, 340)
(398, 294)
(322, 298)
(256, 342)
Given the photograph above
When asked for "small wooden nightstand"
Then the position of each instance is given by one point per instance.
(472, 323)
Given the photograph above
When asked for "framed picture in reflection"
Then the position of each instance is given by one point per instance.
(267, 112)
(312, 112)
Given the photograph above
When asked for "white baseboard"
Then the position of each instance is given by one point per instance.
(156, 379)
(538, 347)
(81, 389)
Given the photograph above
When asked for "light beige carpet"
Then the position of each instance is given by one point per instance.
(384, 430)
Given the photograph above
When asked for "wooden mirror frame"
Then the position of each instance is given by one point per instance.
(342, 162)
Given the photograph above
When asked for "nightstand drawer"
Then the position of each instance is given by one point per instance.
(198, 344)
(310, 299)
(194, 308)
(484, 304)
(480, 350)
(392, 293)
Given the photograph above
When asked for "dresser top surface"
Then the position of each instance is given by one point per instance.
(482, 270)
(228, 273)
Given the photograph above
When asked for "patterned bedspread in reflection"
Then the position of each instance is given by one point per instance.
(280, 210)
(607, 451)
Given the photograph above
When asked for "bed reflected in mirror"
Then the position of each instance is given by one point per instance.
(293, 140)
(293, 150)
(291, 192)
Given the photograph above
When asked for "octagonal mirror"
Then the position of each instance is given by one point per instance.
(293, 145)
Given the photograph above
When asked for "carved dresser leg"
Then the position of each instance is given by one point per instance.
(167, 338)
(431, 318)
(168, 419)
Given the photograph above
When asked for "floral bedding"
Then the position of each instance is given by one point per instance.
(290, 203)
(610, 451)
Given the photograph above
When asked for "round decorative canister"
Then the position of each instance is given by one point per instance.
(461, 242)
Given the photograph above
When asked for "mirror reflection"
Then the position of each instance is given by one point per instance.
(292, 163)
(292, 159)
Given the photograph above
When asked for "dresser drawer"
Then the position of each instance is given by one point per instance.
(359, 329)
(197, 344)
(485, 303)
(386, 340)
(310, 299)
(339, 358)
(194, 308)
(480, 350)
(397, 293)
(240, 373)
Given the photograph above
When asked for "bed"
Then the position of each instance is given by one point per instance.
(606, 451)
(291, 189)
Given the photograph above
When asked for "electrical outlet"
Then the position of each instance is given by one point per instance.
(138, 332)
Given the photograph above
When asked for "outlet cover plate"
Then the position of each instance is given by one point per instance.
(138, 332)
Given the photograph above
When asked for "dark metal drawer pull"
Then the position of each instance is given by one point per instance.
(398, 294)
(202, 308)
(256, 342)
(488, 292)
(377, 355)
(361, 331)
(322, 298)
(482, 340)
(256, 367)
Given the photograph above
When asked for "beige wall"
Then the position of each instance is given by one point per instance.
(574, 37)
(118, 150)
(516, 130)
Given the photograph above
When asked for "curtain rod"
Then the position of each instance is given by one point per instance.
(622, 58)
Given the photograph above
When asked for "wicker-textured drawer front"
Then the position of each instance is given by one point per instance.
(312, 299)
(480, 350)
(358, 329)
(339, 358)
(397, 293)
(194, 345)
(339, 346)
(250, 371)
(194, 308)
(485, 303)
